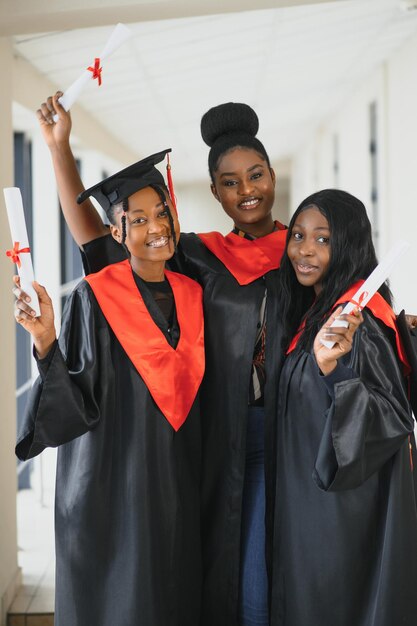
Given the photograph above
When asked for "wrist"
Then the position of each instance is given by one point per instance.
(60, 147)
(43, 345)
(327, 367)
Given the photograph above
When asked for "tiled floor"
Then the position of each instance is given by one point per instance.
(34, 604)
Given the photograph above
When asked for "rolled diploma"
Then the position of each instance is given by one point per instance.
(14, 206)
(371, 285)
(119, 35)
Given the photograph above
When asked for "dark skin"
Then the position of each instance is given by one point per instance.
(149, 241)
(342, 337)
(85, 223)
(41, 328)
(148, 233)
(244, 185)
(309, 248)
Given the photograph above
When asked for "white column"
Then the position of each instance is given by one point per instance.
(9, 571)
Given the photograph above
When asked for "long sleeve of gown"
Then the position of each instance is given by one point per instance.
(180, 262)
(62, 404)
(98, 253)
(370, 416)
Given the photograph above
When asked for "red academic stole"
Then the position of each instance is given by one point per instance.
(247, 259)
(172, 376)
(380, 309)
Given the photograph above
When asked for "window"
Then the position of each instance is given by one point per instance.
(373, 153)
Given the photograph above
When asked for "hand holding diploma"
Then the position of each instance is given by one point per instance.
(94, 71)
(41, 328)
(55, 133)
(334, 339)
(20, 252)
(371, 285)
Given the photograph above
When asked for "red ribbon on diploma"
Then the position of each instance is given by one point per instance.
(361, 299)
(14, 253)
(96, 70)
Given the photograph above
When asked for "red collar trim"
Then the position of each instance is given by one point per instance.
(172, 376)
(380, 309)
(247, 259)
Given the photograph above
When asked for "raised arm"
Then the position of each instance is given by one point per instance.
(84, 222)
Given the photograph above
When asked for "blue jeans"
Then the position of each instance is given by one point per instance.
(253, 601)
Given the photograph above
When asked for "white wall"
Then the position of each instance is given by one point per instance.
(199, 211)
(9, 573)
(394, 88)
(402, 166)
(313, 163)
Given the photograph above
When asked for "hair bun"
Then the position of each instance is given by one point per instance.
(231, 117)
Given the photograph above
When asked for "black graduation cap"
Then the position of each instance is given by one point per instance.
(125, 183)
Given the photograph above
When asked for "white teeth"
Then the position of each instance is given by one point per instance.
(249, 202)
(305, 268)
(158, 243)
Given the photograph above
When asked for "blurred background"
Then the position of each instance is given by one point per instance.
(334, 86)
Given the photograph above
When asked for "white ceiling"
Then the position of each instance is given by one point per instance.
(294, 65)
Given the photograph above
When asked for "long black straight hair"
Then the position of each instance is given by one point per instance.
(352, 257)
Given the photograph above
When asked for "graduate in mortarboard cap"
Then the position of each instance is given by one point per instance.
(118, 393)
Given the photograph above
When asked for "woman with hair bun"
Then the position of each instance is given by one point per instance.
(239, 276)
(238, 273)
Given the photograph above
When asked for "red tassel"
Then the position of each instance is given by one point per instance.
(171, 185)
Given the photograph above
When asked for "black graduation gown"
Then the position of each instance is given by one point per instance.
(128, 546)
(345, 544)
(231, 315)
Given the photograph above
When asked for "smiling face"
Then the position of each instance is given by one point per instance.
(309, 248)
(148, 231)
(244, 184)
